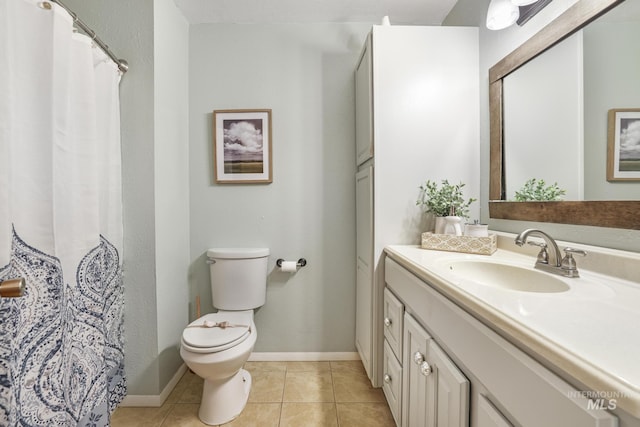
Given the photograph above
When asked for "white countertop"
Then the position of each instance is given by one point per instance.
(590, 332)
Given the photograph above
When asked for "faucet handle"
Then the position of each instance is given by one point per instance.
(569, 264)
(543, 255)
(570, 251)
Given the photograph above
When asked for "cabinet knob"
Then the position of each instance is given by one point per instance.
(418, 358)
(425, 369)
(387, 322)
(387, 378)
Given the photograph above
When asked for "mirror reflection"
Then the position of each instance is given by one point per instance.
(555, 108)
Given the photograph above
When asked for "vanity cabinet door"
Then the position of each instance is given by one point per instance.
(451, 405)
(417, 389)
(435, 392)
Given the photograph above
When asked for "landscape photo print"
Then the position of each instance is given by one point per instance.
(242, 146)
(623, 151)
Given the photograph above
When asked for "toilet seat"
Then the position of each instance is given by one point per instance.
(209, 333)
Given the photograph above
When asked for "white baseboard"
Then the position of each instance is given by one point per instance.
(302, 356)
(155, 400)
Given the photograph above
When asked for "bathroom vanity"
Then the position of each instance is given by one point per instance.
(476, 340)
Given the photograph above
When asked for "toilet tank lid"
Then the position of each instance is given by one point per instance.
(237, 253)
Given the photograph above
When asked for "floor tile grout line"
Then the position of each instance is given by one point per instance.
(335, 400)
(167, 413)
(280, 414)
(284, 384)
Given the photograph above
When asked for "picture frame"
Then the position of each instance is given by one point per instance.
(623, 144)
(242, 146)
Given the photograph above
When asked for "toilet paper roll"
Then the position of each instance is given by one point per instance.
(289, 266)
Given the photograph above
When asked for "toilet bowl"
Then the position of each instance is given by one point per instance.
(216, 352)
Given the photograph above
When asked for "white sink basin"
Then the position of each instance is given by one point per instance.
(504, 276)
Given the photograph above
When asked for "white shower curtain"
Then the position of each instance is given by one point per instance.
(61, 345)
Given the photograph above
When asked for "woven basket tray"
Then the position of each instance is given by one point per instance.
(466, 244)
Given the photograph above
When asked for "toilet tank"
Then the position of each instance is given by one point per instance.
(238, 277)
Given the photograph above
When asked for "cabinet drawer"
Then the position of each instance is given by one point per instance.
(392, 382)
(393, 315)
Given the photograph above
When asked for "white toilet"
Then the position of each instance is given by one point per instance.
(217, 345)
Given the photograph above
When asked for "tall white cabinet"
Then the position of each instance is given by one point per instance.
(417, 118)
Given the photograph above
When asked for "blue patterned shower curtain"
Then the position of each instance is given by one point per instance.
(61, 344)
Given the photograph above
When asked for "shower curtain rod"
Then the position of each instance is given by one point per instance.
(123, 66)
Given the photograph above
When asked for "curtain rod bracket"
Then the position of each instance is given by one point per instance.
(123, 65)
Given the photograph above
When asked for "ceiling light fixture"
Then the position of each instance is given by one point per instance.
(523, 2)
(502, 14)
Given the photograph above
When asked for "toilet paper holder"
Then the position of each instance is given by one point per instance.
(301, 262)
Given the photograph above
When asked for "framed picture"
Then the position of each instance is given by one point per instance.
(242, 146)
(623, 145)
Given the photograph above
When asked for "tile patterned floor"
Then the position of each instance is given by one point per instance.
(283, 394)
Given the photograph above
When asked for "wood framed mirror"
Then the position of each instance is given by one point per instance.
(612, 213)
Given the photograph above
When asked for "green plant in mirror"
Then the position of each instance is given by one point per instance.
(440, 199)
(537, 190)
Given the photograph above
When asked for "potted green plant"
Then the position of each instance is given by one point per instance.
(442, 200)
(538, 190)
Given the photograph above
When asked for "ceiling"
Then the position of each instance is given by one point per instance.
(401, 12)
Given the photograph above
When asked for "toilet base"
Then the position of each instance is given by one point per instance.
(224, 400)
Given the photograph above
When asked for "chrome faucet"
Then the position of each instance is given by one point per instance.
(564, 266)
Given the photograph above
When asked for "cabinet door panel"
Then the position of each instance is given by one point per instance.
(452, 389)
(364, 266)
(364, 216)
(418, 392)
(364, 106)
(436, 393)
